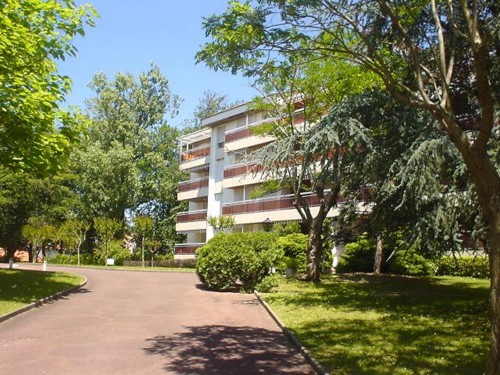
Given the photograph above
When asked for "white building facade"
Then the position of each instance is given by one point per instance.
(222, 179)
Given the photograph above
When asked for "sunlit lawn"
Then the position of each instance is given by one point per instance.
(20, 288)
(364, 324)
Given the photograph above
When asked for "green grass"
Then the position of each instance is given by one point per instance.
(20, 288)
(365, 324)
(128, 268)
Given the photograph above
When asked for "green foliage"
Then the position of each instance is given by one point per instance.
(294, 247)
(221, 223)
(34, 35)
(106, 230)
(411, 263)
(265, 188)
(358, 256)
(288, 228)
(113, 250)
(465, 266)
(268, 283)
(237, 261)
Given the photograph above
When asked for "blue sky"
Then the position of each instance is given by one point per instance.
(130, 34)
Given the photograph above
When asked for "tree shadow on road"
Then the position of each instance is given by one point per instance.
(228, 350)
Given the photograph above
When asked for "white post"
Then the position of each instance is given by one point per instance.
(44, 266)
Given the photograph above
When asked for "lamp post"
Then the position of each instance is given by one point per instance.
(267, 225)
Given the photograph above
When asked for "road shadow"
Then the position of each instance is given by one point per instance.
(217, 349)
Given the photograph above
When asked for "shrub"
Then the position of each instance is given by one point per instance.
(268, 283)
(477, 267)
(358, 256)
(115, 251)
(295, 252)
(238, 260)
(411, 263)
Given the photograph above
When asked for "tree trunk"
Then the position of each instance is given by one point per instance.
(378, 256)
(142, 251)
(314, 251)
(493, 365)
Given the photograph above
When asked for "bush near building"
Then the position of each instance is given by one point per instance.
(238, 261)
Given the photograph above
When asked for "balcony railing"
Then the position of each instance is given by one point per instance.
(284, 202)
(241, 169)
(187, 248)
(195, 153)
(189, 216)
(193, 184)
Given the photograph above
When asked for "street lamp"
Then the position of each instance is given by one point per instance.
(267, 225)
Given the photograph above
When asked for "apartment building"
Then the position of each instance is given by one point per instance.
(218, 161)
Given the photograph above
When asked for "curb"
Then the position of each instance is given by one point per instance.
(301, 348)
(43, 301)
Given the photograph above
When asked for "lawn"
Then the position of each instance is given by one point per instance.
(20, 288)
(365, 324)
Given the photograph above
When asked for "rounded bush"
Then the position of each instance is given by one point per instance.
(411, 263)
(238, 260)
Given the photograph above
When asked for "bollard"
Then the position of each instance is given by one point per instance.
(44, 267)
(11, 263)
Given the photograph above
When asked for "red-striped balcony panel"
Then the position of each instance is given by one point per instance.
(240, 170)
(236, 134)
(266, 204)
(186, 249)
(186, 217)
(195, 154)
(192, 185)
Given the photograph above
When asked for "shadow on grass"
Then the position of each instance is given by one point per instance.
(227, 350)
(366, 324)
(24, 287)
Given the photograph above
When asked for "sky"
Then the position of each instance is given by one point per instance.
(131, 34)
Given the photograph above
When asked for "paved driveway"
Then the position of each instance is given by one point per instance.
(126, 322)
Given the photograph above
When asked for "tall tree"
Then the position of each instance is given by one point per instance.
(298, 94)
(34, 35)
(451, 49)
(129, 152)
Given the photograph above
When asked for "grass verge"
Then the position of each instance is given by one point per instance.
(366, 324)
(19, 288)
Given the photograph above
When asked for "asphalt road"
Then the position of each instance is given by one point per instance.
(132, 322)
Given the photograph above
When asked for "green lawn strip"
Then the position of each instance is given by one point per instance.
(19, 288)
(131, 268)
(364, 324)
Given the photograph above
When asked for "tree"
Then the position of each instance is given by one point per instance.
(75, 232)
(143, 226)
(37, 232)
(450, 48)
(106, 229)
(34, 35)
(209, 104)
(130, 152)
(221, 223)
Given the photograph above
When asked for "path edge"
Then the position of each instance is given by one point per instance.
(300, 347)
(43, 301)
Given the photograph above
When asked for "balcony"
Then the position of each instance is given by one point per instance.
(191, 221)
(195, 157)
(239, 138)
(284, 202)
(277, 209)
(243, 174)
(193, 189)
(186, 249)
